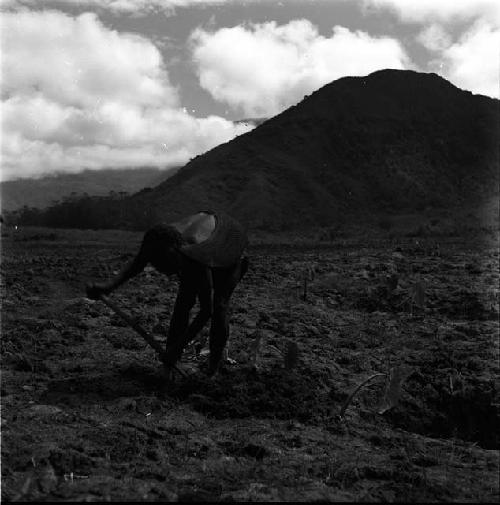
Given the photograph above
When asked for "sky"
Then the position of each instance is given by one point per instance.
(126, 83)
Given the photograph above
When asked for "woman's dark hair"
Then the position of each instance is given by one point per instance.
(163, 233)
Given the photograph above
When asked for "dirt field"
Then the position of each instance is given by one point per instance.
(86, 414)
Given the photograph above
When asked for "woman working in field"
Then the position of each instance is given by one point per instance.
(206, 251)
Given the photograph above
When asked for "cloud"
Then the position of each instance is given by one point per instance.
(440, 11)
(473, 62)
(464, 37)
(119, 7)
(76, 95)
(263, 68)
(76, 60)
(407, 10)
(434, 38)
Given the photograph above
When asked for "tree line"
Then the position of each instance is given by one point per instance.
(115, 210)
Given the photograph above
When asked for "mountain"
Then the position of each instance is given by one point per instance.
(43, 191)
(359, 149)
(393, 141)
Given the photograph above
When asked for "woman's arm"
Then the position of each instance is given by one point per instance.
(135, 267)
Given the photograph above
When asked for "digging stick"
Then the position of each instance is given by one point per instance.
(351, 396)
(137, 327)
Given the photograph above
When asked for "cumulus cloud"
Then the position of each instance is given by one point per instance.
(76, 94)
(463, 38)
(434, 37)
(264, 68)
(473, 62)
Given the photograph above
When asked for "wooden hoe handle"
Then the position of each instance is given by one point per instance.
(137, 327)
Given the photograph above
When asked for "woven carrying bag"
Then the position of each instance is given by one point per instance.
(223, 248)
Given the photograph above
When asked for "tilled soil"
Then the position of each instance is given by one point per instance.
(87, 413)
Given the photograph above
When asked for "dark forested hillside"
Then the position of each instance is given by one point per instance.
(392, 141)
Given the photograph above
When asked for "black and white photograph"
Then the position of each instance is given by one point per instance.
(250, 251)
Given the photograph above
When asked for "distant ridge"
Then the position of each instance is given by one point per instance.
(43, 191)
(392, 141)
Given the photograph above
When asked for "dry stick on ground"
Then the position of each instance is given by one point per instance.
(351, 396)
(290, 356)
(138, 328)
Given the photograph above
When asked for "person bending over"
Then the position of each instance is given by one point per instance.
(206, 250)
